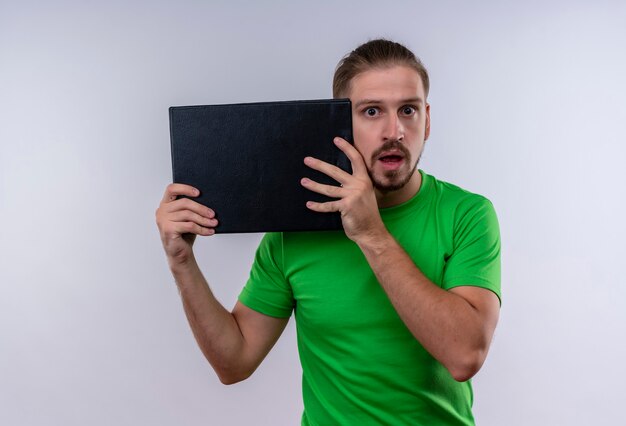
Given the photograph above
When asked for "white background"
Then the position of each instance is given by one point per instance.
(528, 108)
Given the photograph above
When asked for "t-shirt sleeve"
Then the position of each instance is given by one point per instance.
(267, 290)
(475, 260)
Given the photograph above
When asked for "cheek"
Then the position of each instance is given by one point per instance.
(359, 135)
(365, 137)
(364, 129)
(363, 145)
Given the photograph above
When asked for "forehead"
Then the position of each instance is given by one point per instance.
(395, 82)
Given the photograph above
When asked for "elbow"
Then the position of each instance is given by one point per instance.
(463, 374)
(465, 368)
(230, 376)
(230, 380)
(229, 371)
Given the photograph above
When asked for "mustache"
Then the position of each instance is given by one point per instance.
(391, 145)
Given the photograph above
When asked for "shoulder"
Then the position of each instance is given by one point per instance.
(272, 238)
(270, 248)
(457, 201)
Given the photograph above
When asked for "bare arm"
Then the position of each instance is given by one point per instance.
(234, 342)
(454, 326)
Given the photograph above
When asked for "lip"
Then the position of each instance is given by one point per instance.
(394, 152)
(391, 165)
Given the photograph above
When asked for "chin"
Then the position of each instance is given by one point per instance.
(392, 181)
(388, 187)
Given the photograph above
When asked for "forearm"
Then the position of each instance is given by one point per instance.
(215, 329)
(447, 325)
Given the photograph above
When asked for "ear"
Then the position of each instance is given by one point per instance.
(427, 129)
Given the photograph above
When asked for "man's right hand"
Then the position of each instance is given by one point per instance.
(180, 220)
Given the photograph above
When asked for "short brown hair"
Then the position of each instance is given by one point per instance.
(378, 53)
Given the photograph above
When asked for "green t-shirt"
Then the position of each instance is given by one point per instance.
(361, 365)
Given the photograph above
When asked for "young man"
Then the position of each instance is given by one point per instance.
(394, 314)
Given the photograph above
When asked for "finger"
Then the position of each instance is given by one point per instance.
(328, 169)
(331, 206)
(189, 216)
(174, 190)
(355, 157)
(181, 228)
(187, 204)
(328, 190)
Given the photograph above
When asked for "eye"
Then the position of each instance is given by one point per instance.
(371, 111)
(408, 110)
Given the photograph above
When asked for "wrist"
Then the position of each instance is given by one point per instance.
(182, 264)
(376, 241)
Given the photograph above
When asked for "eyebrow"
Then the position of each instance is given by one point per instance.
(362, 102)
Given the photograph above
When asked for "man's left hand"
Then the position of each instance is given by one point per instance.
(356, 199)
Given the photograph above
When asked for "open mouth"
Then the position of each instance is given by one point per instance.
(391, 159)
(391, 162)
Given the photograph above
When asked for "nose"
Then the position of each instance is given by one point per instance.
(394, 130)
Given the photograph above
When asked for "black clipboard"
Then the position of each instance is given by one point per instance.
(247, 160)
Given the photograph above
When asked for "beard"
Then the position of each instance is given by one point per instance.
(393, 180)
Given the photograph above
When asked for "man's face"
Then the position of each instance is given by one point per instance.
(391, 121)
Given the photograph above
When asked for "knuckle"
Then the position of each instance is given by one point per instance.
(170, 189)
(361, 185)
(198, 218)
(186, 203)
